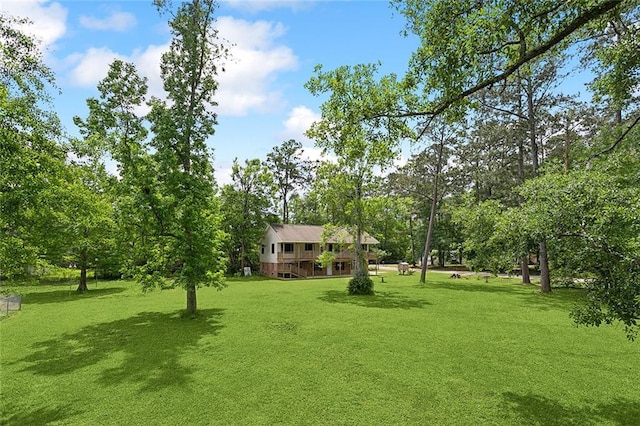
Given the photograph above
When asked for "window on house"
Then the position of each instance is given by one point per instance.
(363, 247)
(273, 248)
(330, 247)
(288, 247)
(262, 249)
(308, 247)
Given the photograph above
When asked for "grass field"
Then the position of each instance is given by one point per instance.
(303, 352)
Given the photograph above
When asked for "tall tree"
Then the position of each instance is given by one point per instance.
(247, 204)
(85, 221)
(178, 231)
(114, 127)
(360, 146)
(32, 157)
(529, 97)
(290, 171)
(590, 217)
(181, 126)
(442, 136)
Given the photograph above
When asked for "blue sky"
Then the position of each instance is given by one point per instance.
(262, 101)
(276, 45)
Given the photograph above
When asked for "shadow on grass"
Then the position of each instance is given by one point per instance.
(39, 416)
(144, 349)
(560, 298)
(382, 299)
(473, 285)
(55, 296)
(535, 409)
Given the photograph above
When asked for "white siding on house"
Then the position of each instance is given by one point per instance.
(269, 239)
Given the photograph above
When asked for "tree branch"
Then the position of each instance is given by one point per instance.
(504, 111)
(499, 48)
(595, 243)
(526, 57)
(617, 141)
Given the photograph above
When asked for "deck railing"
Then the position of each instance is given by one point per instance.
(313, 255)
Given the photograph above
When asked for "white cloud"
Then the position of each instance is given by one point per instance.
(147, 62)
(400, 161)
(222, 173)
(243, 88)
(49, 19)
(299, 120)
(255, 62)
(255, 6)
(92, 66)
(117, 21)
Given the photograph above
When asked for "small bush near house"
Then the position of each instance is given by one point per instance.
(361, 284)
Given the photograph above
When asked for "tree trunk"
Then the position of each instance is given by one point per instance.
(359, 259)
(84, 264)
(285, 209)
(414, 258)
(242, 256)
(566, 152)
(192, 304)
(359, 264)
(82, 287)
(432, 215)
(524, 268)
(618, 116)
(545, 282)
(524, 260)
(427, 243)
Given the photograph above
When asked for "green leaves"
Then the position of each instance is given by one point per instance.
(486, 43)
(32, 157)
(167, 209)
(362, 140)
(247, 204)
(590, 218)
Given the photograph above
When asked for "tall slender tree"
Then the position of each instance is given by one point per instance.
(361, 146)
(181, 125)
(290, 172)
(442, 136)
(247, 204)
(179, 229)
(114, 127)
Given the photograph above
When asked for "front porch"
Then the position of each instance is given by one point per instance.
(306, 269)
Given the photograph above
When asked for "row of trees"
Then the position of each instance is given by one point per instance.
(518, 167)
(506, 168)
(162, 208)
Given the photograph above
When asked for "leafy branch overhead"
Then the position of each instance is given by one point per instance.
(467, 45)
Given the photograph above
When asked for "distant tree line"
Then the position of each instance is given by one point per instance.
(507, 174)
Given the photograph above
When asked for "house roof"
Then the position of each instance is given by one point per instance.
(313, 234)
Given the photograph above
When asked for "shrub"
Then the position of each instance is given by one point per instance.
(361, 284)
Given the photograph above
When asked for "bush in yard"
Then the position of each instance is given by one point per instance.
(360, 284)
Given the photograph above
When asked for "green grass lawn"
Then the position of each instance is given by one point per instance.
(303, 352)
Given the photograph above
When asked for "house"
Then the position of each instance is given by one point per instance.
(291, 251)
